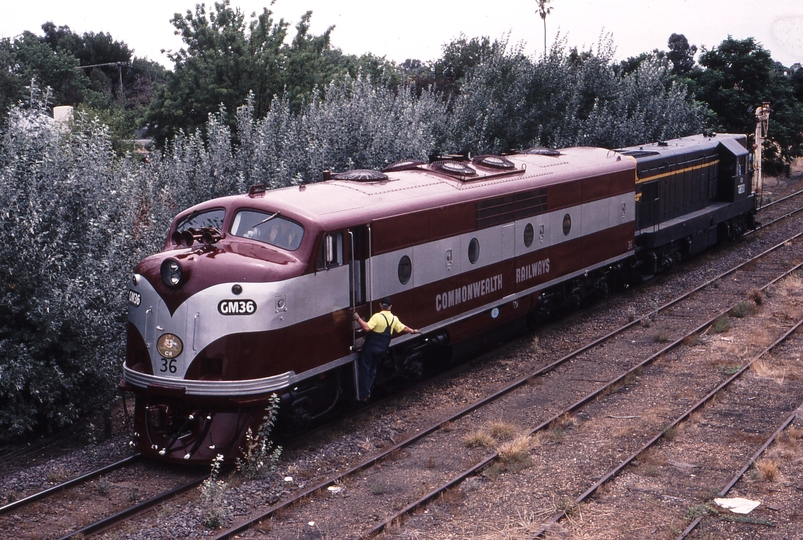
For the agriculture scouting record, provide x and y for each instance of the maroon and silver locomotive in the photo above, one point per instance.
(253, 294)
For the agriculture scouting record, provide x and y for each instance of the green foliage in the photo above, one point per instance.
(31, 62)
(739, 75)
(681, 54)
(570, 98)
(216, 510)
(226, 59)
(116, 89)
(78, 212)
(742, 309)
(260, 457)
(66, 218)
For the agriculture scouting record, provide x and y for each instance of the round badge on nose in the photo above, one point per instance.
(169, 345)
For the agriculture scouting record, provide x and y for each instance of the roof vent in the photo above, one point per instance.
(361, 175)
(454, 168)
(258, 189)
(405, 165)
(495, 162)
(542, 151)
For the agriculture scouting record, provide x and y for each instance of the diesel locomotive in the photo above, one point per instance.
(253, 294)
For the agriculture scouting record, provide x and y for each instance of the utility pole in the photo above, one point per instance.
(121, 95)
(762, 126)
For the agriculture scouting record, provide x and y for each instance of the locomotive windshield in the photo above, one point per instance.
(271, 229)
(211, 219)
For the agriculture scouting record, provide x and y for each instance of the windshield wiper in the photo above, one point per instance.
(266, 220)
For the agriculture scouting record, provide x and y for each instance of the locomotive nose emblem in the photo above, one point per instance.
(169, 345)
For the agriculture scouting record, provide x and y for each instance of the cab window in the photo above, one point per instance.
(331, 251)
(269, 228)
(210, 219)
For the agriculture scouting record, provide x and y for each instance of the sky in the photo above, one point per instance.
(419, 28)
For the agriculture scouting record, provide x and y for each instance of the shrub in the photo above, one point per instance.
(259, 455)
(216, 511)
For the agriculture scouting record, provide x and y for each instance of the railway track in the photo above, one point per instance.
(412, 510)
(22, 518)
(364, 480)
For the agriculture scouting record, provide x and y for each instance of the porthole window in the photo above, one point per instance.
(529, 234)
(567, 224)
(473, 250)
(405, 270)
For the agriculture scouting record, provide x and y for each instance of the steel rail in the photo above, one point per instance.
(782, 199)
(69, 483)
(588, 398)
(112, 520)
(612, 473)
(744, 469)
(230, 533)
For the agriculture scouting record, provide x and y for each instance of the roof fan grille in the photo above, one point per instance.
(361, 175)
(405, 165)
(495, 162)
(542, 151)
(454, 168)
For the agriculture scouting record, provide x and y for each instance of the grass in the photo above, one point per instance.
(742, 309)
(766, 370)
(662, 337)
(502, 431)
(723, 324)
(378, 487)
(478, 439)
(514, 456)
(729, 369)
(498, 430)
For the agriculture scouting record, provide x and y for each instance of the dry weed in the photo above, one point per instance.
(539, 438)
(515, 455)
(501, 430)
(765, 369)
(790, 286)
(562, 422)
(477, 439)
(768, 469)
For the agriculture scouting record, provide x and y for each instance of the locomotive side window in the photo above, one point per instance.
(567, 224)
(473, 250)
(529, 234)
(212, 219)
(405, 270)
(271, 229)
(331, 252)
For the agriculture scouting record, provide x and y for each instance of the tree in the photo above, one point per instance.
(29, 59)
(543, 11)
(226, 59)
(459, 57)
(737, 77)
(681, 54)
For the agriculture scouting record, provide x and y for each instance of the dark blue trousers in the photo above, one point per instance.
(371, 355)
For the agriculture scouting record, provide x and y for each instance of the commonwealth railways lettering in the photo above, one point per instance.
(533, 270)
(468, 292)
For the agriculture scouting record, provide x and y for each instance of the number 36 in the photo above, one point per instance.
(168, 365)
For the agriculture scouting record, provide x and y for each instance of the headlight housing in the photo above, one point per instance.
(171, 273)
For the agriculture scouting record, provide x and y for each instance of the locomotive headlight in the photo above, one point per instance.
(171, 272)
(169, 346)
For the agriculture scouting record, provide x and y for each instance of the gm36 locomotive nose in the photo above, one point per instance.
(204, 316)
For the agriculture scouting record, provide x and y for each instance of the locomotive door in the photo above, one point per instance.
(360, 291)
(359, 272)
